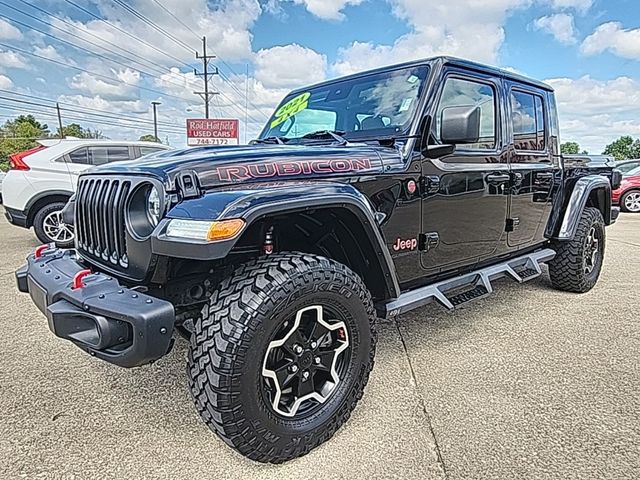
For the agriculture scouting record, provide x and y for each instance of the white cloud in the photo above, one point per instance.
(226, 24)
(596, 112)
(560, 25)
(8, 31)
(326, 9)
(613, 37)
(289, 66)
(50, 52)
(9, 59)
(94, 85)
(5, 82)
(468, 28)
(580, 5)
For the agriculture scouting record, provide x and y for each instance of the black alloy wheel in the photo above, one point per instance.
(305, 361)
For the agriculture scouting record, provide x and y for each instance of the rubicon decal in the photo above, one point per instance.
(409, 244)
(287, 169)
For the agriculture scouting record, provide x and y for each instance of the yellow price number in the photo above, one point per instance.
(290, 108)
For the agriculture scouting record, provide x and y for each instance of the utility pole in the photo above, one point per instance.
(246, 102)
(206, 74)
(59, 120)
(155, 120)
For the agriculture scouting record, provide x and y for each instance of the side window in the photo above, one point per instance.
(527, 119)
(79, 156)
(102, 155)
(117, 154)
(466, 93)
(149, 150)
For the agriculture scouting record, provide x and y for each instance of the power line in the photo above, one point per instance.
(110, 116)
(78, 47)
(127, 123)
(89, 71)
(134, 12)
(91, 52)
(81, 106)
(176, 18)
(97, 17)
(224, 77)
(87, 32)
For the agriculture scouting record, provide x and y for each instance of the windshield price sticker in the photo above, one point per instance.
(289, 109)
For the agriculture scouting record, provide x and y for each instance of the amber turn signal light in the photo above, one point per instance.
(225, 229)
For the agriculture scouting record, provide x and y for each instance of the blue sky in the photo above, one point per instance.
(589, 50)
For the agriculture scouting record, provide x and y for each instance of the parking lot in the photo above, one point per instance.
(529, 383)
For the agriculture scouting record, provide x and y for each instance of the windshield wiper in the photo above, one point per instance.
(334, 134)
(277, 140)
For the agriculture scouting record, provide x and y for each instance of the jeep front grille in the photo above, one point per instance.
(100, 210)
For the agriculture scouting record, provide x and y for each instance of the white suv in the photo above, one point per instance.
(41, 181)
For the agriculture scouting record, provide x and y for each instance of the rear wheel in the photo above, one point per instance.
(578, 263)
(630, 201)
(49, 227)
(281, 354)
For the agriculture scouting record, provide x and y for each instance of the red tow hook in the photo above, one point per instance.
(41, 249)
(77, 279)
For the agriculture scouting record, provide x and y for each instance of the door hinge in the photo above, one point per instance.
(512, 224)
(428, 241)
(188, 184)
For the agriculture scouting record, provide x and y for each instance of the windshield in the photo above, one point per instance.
(370, 106)
(633, 172)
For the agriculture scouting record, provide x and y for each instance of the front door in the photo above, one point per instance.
(464, 207)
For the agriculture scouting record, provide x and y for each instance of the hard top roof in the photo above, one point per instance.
(445, 60)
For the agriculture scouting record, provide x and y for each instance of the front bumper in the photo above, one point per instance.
(615, 213)
(116, 324)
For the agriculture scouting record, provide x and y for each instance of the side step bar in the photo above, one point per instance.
(457, 291)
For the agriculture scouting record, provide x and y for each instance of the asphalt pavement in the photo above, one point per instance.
(528, 383)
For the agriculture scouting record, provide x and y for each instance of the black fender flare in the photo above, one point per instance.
(580, 194)
(256, 201)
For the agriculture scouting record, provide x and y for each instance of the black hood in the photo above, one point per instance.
(215, 166)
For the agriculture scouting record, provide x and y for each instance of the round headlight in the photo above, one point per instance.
(153, 206)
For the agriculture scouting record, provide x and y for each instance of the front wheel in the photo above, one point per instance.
(49, 227)
(281, 354)
(578, 263)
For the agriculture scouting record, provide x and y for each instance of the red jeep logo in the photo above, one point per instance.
(409, 244)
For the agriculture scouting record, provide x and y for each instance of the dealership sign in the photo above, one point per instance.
(212, 131)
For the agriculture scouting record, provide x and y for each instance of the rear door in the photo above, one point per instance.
(532, 169)
(465, 202)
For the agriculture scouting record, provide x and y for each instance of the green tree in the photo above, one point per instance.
(75, 130)
(570, 148)
(18, 135)
(624, 148)
(149, 138)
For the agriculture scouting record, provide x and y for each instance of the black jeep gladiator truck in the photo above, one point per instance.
(364, 197)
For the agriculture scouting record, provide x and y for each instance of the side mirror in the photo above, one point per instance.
(460, 125)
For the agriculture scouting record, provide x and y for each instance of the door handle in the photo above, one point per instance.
(544, 175)
(498, 177)
(432, 183)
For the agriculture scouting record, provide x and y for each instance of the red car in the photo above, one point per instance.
(628, 194)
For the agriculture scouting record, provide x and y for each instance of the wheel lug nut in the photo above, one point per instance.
(293, 368)
(297, 349)
(314, 344)
(305, 375)
(317, 360)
